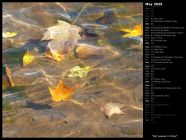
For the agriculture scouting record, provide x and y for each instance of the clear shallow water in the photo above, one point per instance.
(114, 78)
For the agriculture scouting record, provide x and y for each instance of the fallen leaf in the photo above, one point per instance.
(100, 42)
(136, 31)
(7, 78)
(9, 34)
(78, 71)
(58, 57)
(61, 92)
(64, 37)
(112, 108)
(54, 56)
(57, 32)
(27, 58)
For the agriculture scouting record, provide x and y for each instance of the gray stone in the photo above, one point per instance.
(109, 17)
(94, 29)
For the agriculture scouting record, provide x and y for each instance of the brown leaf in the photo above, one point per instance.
(7, 78)
(112, 108)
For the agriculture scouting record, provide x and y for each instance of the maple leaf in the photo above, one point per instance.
(136, 31)
(61, 92)
(27, 58)
(112, 108)
(9, 34)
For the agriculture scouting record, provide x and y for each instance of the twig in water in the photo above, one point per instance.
(80, 12)
(60, 5)
(76, 102)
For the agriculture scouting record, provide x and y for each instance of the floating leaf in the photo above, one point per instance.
(7, 78)
(136, 31)
(78, 71)
(112, 108)
(27, 58)
(9, 34)
(61, 92)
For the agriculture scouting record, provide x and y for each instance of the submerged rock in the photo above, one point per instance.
(65, 17)
(109, 17)
(84, 50)
(94, 29)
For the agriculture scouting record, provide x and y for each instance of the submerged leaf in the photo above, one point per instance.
(7, 78)
(112, 108)
(78, 71)
(58, 57)
(58, 32)
(62, 31)
(61, 92)
(136, 31)
(63, 38)
(27, 58)
(9, 34)
(54, 55)
(101, 42)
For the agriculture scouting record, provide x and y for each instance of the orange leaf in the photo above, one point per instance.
(7, 80)
(54, 56)
(61, 92)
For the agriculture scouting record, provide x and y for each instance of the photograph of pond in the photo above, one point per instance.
(72, 69)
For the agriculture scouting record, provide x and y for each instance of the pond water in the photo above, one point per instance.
(115, 75)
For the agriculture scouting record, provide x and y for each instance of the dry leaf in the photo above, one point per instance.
(61, 92)
(7, 78)
(63, 31)
(27, 58)
(9, 34)
(112, 108)
(58, 32)
(63, 38)
(137, 31)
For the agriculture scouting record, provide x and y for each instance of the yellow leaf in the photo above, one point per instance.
(54, 56)
(136, 31)
(58, 57)
(78, 71)
(61, 92)
(9, 34)
(27, 58)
